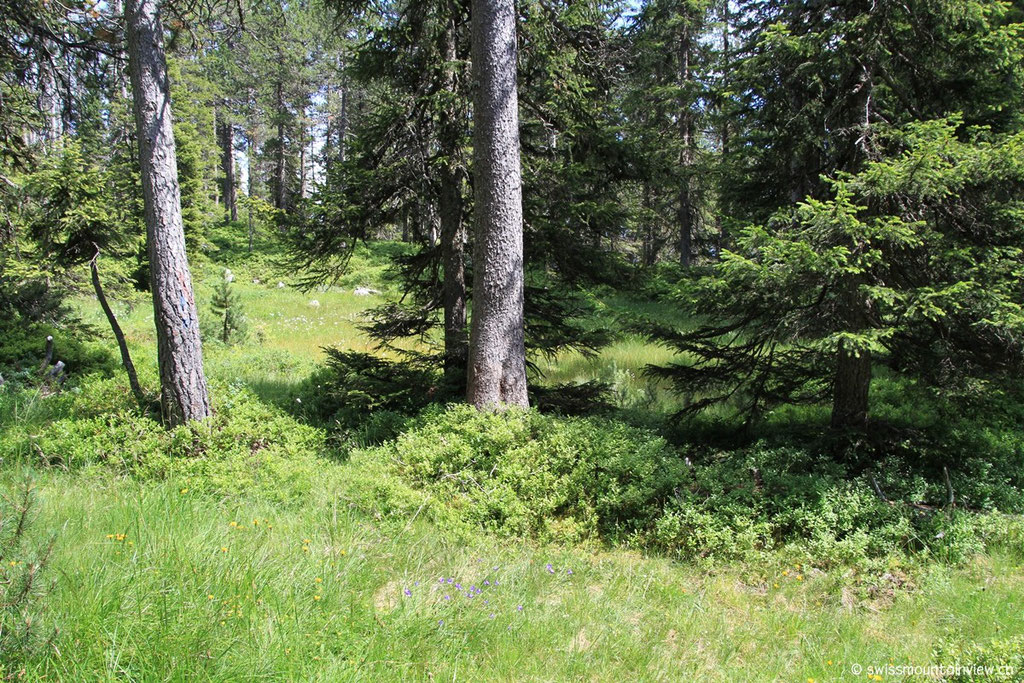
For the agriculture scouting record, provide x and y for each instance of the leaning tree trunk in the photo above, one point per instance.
(453, 231)
(115, 327)
(184, 396)
(497, 353)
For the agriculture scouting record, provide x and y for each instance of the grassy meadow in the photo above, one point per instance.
(155, 575)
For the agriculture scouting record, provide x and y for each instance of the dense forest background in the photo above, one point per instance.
(771, 288)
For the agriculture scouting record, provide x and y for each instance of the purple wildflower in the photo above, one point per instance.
(486, 582)
(551, 570)
(492, 615)
(519, 608)
(458, 586)
(495, 582)
(447, 597)
(569, 572)
(408, 593)
(440, 622)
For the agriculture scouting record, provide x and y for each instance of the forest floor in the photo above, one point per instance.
(155, 580)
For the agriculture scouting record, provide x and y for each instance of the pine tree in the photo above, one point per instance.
(184, 395)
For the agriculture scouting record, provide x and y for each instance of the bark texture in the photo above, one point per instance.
(184, 395)
(850, 395)
(453, 231)
(685, 210)
(280, 181)
(226, 137)
(497, 353)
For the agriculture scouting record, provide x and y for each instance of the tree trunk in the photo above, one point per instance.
(850, 395)
(343, 120)
(280, 197)
(49, 97)
(453, 232)
(226, 137)
(685, 211)
(302, 161)
(115, 327)
(497, 353)
(116, 8)
(184, 395)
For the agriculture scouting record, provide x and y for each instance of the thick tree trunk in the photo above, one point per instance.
(453, 232)
(850, 394)
(226, 137)
(184, 395)
(497, 353)
(853, 367)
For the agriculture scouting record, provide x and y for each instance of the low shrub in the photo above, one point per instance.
(581, 479)
(24, 348)
(246, 446)
(523, 473)
(1001, 659)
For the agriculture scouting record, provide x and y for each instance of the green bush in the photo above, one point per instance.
(578, 480)
(355, 385)
(997, 660)
(523, 473)
(246, 446)
(24, 348)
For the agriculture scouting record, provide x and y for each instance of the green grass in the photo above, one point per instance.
(334, 609)
(206, 586)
